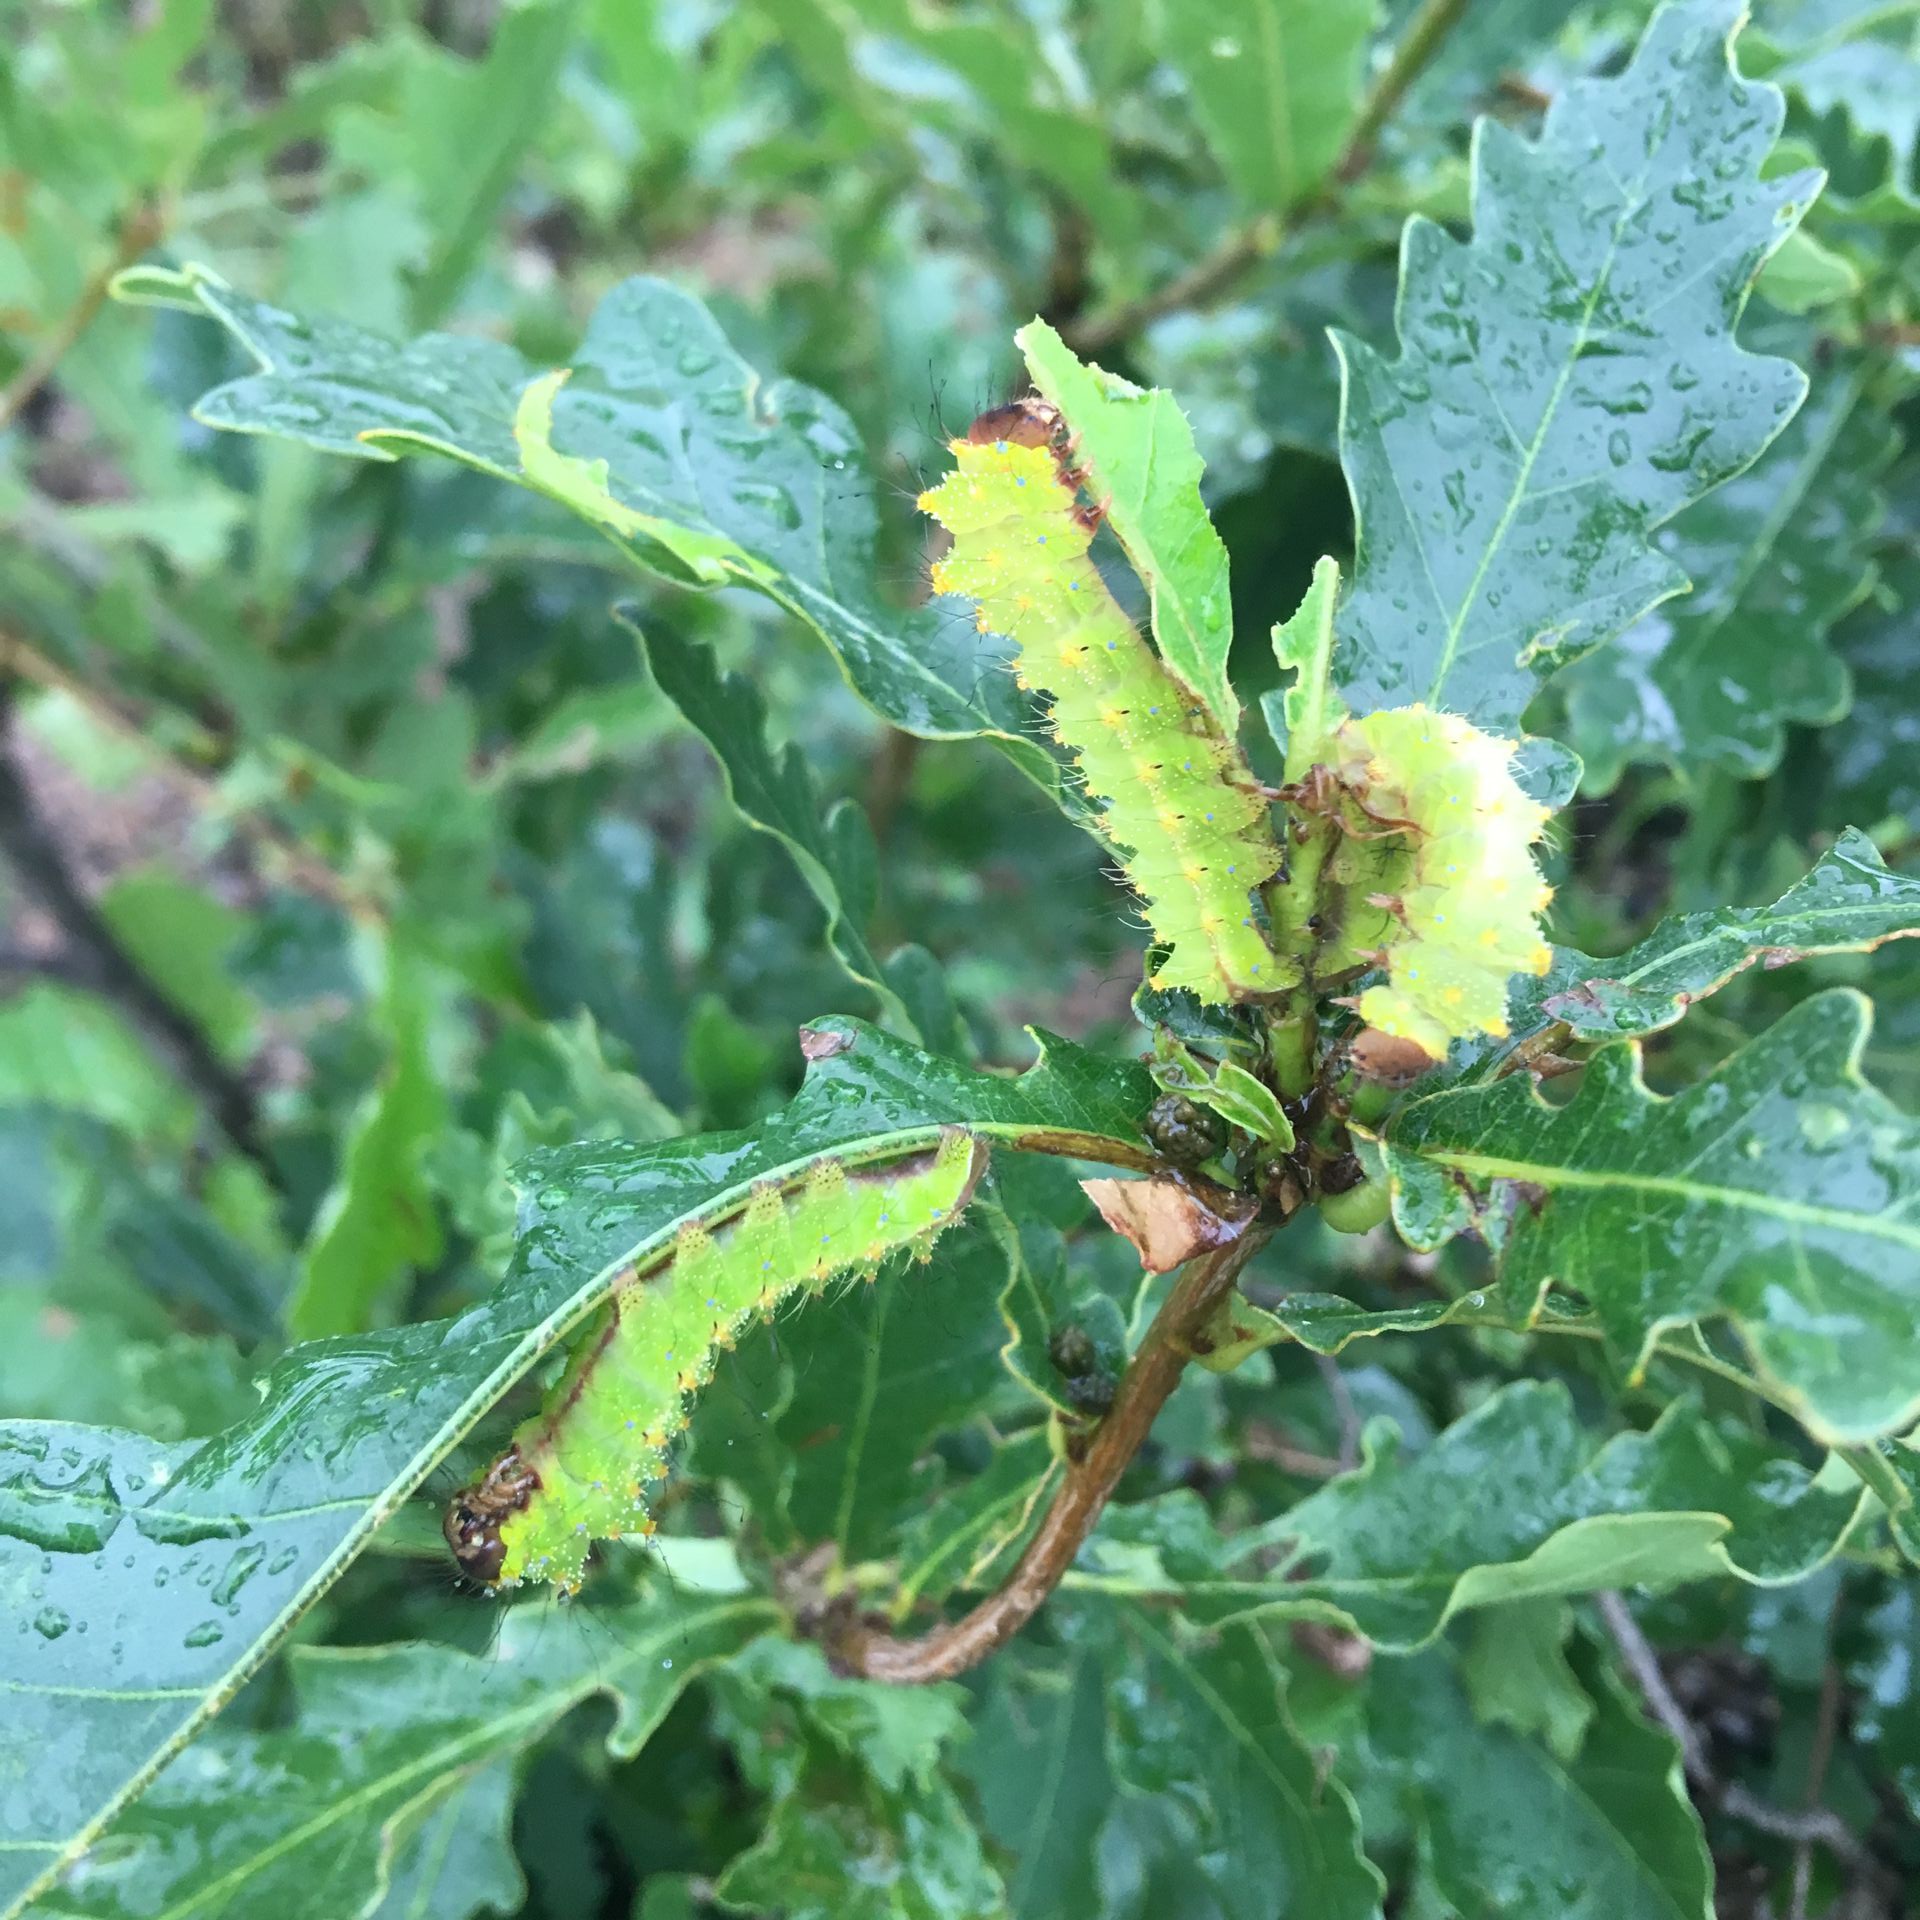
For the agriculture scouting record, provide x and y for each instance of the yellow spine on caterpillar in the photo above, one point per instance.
(577, 1472)
(1176, 794)
(1461, 893)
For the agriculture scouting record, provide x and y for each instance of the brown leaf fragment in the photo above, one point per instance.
(1169, 1220)
(1387, 1058)
(822, 1043)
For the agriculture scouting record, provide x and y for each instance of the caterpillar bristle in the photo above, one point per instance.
(656, 1344)
(1194, 851)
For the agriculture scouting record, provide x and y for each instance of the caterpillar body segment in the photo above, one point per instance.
(578, 1471)
(1176, 794)
(1439, 871)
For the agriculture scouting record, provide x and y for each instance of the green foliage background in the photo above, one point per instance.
(353, 850)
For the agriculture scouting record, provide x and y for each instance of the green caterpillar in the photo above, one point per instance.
(575, 1472)
(1438, 868)
(1176, 792)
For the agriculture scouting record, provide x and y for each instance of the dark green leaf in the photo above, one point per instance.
(1850, 903)
(1513, 1502)
(1512, 1830)
(863, 1826)
(968, 1534)
(775, 792)
(1038, 1761)
(1779, 1193)
(1206, 1723)
(389, 1748)
(663, 437)
(1775, 556)
(104, 1531)
(1885, 1677)
(893, 1365)
(1872, 770)
(1567, 381)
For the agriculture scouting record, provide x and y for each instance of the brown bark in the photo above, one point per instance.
(862, 1647)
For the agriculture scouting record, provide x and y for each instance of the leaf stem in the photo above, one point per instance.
(140, 228)
(1426, 33)
(869, 1649)
(1239, 248)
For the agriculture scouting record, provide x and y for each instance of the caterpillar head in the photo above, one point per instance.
(1026, 422)
(474, 1515)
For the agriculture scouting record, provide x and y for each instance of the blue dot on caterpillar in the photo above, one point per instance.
(1032, 422)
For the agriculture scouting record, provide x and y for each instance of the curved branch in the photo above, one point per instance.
(862, 1647)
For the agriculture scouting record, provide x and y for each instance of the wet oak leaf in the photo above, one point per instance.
(1567, 379)
(108, 1532)
(1781, 1193)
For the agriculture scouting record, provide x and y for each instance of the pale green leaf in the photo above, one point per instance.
(467, 127)
(1243, 1101)
(1806, 275)
(72, 1052)
(379, 1220)
(1515, 1671)
(1275, 85)
(1143, 468)
(863, 1824)
(1308, 709)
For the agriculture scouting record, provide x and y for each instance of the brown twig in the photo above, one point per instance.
(1241, 248)
(887, 782)
(1262, 1442)
(1643, 1665)
(1245, 246)
(99, 961)
(118, 716)
(864, 1647)
(1804, 1827)
(141, 227)
(1344, 1409)
(1826, 1726)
